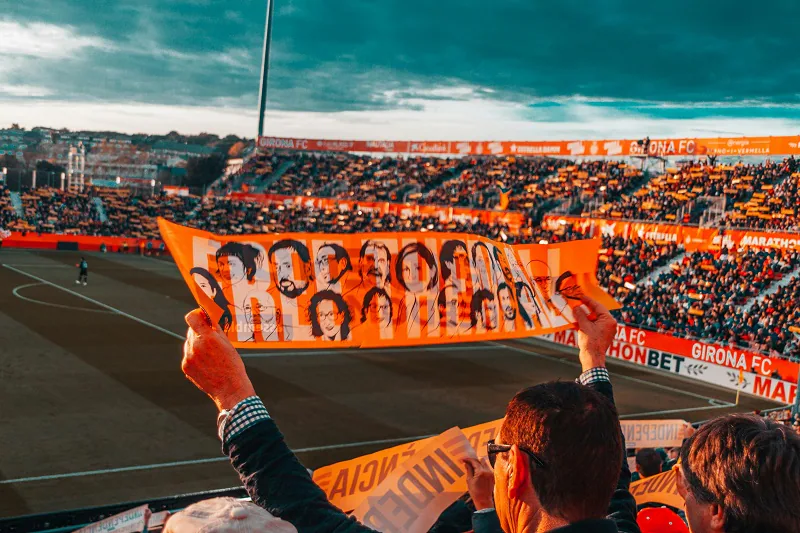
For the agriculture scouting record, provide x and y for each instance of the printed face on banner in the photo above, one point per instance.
(455, 263)
(377, 309)
(290, 263)
(262, 317)
(330, 317)
(502, 268)
(482, 266)
(331, 264)
(507, 303)
(529, 309)
(416, 268)
(454, 308)
(374, 264)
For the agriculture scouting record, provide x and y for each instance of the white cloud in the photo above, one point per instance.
(438, 120)
(44, 41)
(31, 91)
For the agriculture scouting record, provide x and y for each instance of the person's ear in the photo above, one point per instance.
(717, 518)
(517, 472)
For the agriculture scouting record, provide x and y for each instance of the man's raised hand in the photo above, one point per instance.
(212, 363)
(597, 330)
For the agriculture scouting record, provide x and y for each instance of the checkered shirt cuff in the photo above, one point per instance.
(593, 375)
(244, 414)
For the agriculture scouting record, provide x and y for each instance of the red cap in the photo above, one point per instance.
(660, 520)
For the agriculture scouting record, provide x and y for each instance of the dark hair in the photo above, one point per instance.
(520, 285)
(340, 253)
(476, 306)
(447, 253)
(371, 294)
(380, 246)
(562, 278)
(250, 256)
(336, 298)
(649, 462)
(750, 466)
(423, 252)
(474, 252)
(226, 319)
(504, 286)
(575, 430)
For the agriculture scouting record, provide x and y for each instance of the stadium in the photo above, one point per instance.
(402, 344)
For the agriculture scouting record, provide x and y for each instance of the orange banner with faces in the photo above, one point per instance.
(381, 289)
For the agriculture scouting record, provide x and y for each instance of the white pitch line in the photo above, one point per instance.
(15, 292)
(619, 376)
(686, 410)
(156, 466)
(101, 304)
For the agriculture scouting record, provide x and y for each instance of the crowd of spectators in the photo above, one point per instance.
(675, 196)
(623, 262)
(773, 208)
(701, 297)
(773, 323)
(51, 210)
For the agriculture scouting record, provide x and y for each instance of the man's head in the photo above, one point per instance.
(261, 317)
(416, 268)
(454, 260)
(575, 431)
(741, 473)
(374, 264)
(227, 515)
(483, 310)
(540, 274)
(648, 462)
(332, 262)
(329, 315)
(567, 286)
(291, 264)
(506, 299)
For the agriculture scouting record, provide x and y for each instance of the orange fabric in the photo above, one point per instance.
(382, 289)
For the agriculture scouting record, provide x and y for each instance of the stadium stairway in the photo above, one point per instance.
(100, 208)
(653, 276)
(275, 176)
(16, 202)
(775, 287)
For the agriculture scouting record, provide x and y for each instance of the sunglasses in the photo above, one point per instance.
(493, 449)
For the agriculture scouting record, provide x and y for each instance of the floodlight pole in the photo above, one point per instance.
(262, 90)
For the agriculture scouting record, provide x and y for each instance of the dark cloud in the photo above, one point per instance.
(331, 56)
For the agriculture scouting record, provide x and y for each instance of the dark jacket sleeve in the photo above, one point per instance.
(276, 481)
(622, 509)
(487, 522)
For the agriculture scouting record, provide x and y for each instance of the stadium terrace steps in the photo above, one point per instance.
(275, 176)
(772, 289)
(16, 202)
(655, 274)
(101, 210)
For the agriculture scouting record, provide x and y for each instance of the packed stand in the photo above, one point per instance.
(8, 215)
(51, 210)
(772, 325)
(674, 197)
(623, 262)
(700, 297)
(785, 417)
(774, 208)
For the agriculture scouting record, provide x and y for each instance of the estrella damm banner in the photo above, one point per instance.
(296, 290)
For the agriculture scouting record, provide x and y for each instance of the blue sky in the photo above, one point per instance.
(512, 69)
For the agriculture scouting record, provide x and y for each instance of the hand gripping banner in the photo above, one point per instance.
(297, 290)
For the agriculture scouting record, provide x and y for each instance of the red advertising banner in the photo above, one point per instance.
(513, 219)
(692, 237)
(723, 146)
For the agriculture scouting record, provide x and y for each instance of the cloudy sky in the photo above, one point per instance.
(395, 69)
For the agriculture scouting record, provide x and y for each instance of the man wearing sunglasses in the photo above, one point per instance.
(557, 464)
(557, 460)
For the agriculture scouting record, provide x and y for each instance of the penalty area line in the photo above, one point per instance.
(100, 304)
